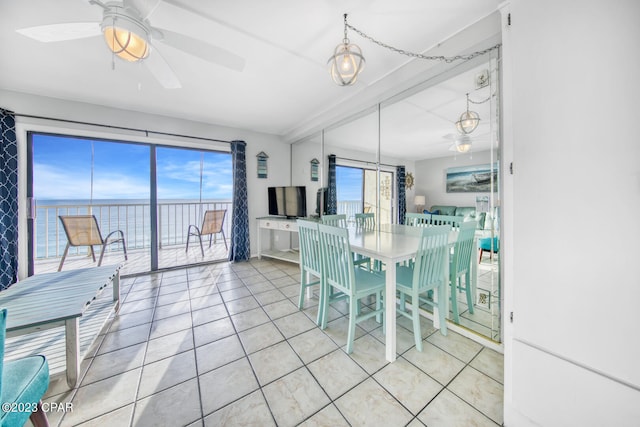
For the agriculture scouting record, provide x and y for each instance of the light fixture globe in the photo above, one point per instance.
(468, 122)
(126, 36)
(346, 63)
(463, 144)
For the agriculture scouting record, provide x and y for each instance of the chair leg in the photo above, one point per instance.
(442, 299)
(353, 302)
(325, 303)
(415, 316)
(480, 259)
(124, 246)
(224, 239)
(104, 246)
(201, 247)
(188, 237)
(454, 298)
(64, 255)
(470, 298)
(39, 417)
(303, 285)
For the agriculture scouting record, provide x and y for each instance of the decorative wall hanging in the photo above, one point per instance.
(314, 169)
(472, 179)
(408, 180)
(262, 164)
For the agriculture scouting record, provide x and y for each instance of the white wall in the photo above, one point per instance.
(278, 151)
(431, 178)
(571, 78)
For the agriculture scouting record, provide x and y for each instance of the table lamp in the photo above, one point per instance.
(419, 201)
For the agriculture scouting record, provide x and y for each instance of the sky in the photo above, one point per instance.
(349, 183)
(62, 170)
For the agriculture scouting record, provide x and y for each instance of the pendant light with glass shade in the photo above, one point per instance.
(347, 61)
(468, 121)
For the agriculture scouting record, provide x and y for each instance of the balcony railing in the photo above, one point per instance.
(132, 218)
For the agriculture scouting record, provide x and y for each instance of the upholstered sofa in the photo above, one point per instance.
(467, 212)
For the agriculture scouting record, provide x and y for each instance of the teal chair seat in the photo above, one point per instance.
(490, 245)
(23, 382)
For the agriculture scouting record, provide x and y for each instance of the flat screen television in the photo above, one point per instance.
(322, 197)
(288, 201)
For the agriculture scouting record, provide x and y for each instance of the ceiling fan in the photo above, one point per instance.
(130, 36)
(462, 143)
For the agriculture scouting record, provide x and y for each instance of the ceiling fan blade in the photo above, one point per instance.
(144, 7)
(200, 49)
(161, 70)
(62, 32)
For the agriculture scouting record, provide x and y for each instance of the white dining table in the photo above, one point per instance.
(391, 244)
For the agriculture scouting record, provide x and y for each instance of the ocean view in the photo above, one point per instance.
(132, 216)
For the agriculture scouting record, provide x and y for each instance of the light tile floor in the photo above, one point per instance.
(225, 344)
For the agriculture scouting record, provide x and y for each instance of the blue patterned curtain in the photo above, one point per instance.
(8, 200)
(332, 204)
(240, 249)
(402, 197)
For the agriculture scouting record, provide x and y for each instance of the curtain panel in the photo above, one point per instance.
(332, 196)
(8, 200)
(402, 196)
(240, 249)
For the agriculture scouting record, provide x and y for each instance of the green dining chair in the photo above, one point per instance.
(310, 263)
(452, 220)
(366, 220)
(339, 220)
(460, 266)
(417, 219)
(23, 382)
(341, 274)
(424, 275)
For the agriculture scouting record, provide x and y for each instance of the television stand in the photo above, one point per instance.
(277, 223)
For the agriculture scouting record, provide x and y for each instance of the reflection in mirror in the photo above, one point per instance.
(420, 127)
(302, 154)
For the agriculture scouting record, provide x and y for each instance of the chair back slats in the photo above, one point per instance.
(431, 256)
(336, 257)
(417, 219)
(464, 247)
(81, 230)
(213, 221)
(366, 221)
(339, 220)
(310, 258)
(452, 220)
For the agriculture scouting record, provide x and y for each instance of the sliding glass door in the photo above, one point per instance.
(107, 180)
(112, 181)
(190, 184)
(357, 192)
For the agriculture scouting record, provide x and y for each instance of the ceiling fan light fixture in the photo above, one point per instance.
(126, 36)
(347, 61)
(463, 144)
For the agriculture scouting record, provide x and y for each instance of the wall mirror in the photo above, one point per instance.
(417, 129)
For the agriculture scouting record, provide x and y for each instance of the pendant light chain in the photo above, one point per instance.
(446, 59)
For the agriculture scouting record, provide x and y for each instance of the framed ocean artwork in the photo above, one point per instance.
(472, 179)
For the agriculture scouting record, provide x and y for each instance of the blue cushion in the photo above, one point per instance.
(24, 380)
(435, 212)
(485, 243)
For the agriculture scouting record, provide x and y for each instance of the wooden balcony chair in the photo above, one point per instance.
(213, 223)
(23, 382)
(83, 230)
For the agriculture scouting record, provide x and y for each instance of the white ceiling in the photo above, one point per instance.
(285, 44)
